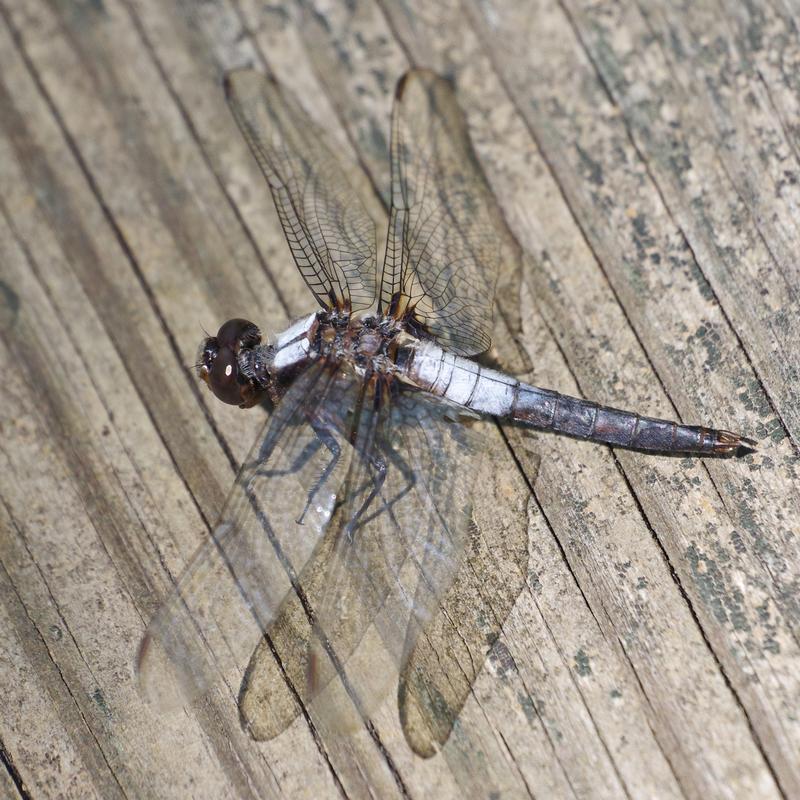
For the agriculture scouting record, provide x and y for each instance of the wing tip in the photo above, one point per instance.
(235, 76)
(235, 80)
(426, 76)
(401, 84)
(156, 679)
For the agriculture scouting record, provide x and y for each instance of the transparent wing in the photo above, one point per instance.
(443, 251)
(442, 667)
(378, 585)
(329, 231)
(272, 523)
(409, 520)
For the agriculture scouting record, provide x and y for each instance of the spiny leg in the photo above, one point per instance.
(329, 440)
(377, 480)
(323, 436)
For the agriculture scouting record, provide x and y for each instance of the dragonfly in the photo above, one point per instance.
(349, 519)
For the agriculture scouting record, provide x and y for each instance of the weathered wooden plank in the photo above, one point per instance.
(77, 591)
(702, 116)
(43, 723)
(107, 311)
(748, 642)
(653, 650)
(61, 559)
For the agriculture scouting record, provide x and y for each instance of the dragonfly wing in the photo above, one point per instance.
(339, 584)
(272, 523)
(418, 596)
(443, 665)
(444, 248)
(378, 582)
(329, 231)
(394, 561)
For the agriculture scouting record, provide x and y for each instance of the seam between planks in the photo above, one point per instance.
(562, 551)
(53, 661)
(522, 776)
(673, 572)
(714, 483)
(728, 322)
(13, 772)
(187, 120)
(620, 468)
(734, 186)
(123, 243)
(685, 239)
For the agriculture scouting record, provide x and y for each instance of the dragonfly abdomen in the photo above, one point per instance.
(488, 391)
(583, 419)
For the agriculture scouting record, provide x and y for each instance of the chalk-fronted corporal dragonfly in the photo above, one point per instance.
(349, 499)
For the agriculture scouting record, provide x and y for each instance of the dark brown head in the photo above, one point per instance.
(229, 364)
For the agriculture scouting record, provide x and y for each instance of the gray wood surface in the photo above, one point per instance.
(644, 155)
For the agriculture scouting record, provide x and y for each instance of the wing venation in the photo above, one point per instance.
(327, 227)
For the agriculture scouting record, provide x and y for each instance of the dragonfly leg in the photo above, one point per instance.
(300, 461)
(325, 437)
(377, 480)
(386, 507)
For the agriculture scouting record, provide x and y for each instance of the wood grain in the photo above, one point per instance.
(644, 156)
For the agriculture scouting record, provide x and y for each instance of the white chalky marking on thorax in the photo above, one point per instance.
(294, 330)
(291, 354)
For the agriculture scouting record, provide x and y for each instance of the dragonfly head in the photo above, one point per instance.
(229, 364)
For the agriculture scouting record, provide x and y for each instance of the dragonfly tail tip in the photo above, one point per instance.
(746, 446)
(732, 444)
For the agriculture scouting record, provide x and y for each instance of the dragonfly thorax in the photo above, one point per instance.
(368, 344)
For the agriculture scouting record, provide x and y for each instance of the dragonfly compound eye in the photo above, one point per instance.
(238, 333)
(219, 361)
